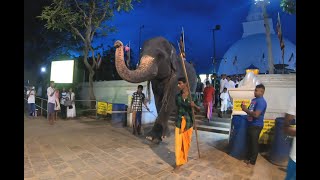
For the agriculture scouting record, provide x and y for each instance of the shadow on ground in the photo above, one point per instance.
(162, 149)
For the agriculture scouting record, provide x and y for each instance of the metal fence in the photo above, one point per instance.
(81, 108)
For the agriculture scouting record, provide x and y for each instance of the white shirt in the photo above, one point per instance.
(224, 97)
(222, 84)
(31, 98)
(51, 99)
(205, 80)
(63, 97)
(230, 84)
(292, 111)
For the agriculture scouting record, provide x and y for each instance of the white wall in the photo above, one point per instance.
(279, 89)
(117, 92)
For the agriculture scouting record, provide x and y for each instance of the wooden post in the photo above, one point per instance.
(190, 97)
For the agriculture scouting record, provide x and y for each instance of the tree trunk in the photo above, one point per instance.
(91, 74)
(91, 92)
(268, 38)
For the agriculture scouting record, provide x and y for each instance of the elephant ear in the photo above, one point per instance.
(173, 58)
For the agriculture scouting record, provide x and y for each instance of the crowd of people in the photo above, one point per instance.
(60, 103)
(214, 95)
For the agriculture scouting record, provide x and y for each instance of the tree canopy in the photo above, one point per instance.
(288, 6)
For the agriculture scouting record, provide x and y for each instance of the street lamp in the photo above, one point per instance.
(214, 47)
(43, 69)
(263, 4)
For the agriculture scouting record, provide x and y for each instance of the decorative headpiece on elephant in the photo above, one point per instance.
(159, 64)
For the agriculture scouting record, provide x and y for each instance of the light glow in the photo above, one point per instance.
(62, 71)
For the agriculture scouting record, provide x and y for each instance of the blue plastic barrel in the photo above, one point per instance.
(238, 137)
(281, 144)
(118, 118)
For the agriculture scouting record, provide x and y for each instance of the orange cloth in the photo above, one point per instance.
(182, 142)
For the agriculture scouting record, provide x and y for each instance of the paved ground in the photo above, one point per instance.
(92, 149)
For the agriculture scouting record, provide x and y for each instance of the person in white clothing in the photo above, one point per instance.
(31, 96)
(206, 79)
(63, 104)
(291, 131)
(51, 102)
(223, 82)
(224, 96)
(230, 83)
(71, 110)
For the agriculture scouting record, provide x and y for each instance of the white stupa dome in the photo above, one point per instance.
(252, 48)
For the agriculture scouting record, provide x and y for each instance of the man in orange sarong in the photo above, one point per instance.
(184, 123)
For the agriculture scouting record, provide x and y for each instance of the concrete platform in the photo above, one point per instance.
(92, 149)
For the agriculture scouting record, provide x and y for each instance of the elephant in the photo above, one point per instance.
(160, 65)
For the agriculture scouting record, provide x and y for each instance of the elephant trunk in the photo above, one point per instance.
(147, 69)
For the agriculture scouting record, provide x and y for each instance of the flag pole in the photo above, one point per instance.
(190, 97)
(281, 42)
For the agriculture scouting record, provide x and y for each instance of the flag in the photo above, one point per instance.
(182, 45)
(263, 58)
(291, 57)
(235, 60)
(279, 32)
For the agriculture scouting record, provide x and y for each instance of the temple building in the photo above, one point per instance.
(252, 48)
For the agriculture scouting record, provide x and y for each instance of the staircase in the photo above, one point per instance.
(216, 125)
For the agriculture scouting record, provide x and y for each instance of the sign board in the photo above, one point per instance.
(102, 108)
(267, 133)
(236, 110)
(109, 108)
(237, 103)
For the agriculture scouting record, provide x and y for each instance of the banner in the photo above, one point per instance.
(102, 108)
(267, 133)
(109, 108)
(237, 104)
(279, 32)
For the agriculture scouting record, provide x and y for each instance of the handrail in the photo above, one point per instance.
(95, 109)
(41, 98)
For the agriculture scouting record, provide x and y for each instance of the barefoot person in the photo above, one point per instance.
(184, 123)
(138, 98)
(255, 116)
(51, 102)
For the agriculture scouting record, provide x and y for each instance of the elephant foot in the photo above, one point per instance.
(153, 140)
(155, 135)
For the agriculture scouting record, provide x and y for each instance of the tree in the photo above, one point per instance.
(288, 6)
(84, 19)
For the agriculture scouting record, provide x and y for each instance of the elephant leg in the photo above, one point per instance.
(166, 116)
(165, 102)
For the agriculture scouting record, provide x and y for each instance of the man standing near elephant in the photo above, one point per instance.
(160, 65)
(183, 123)
(136, 108)
(255, 116)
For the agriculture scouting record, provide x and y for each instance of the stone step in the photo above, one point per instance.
(213, 129)
(224, 119)
(217, 125)
(213, 123)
